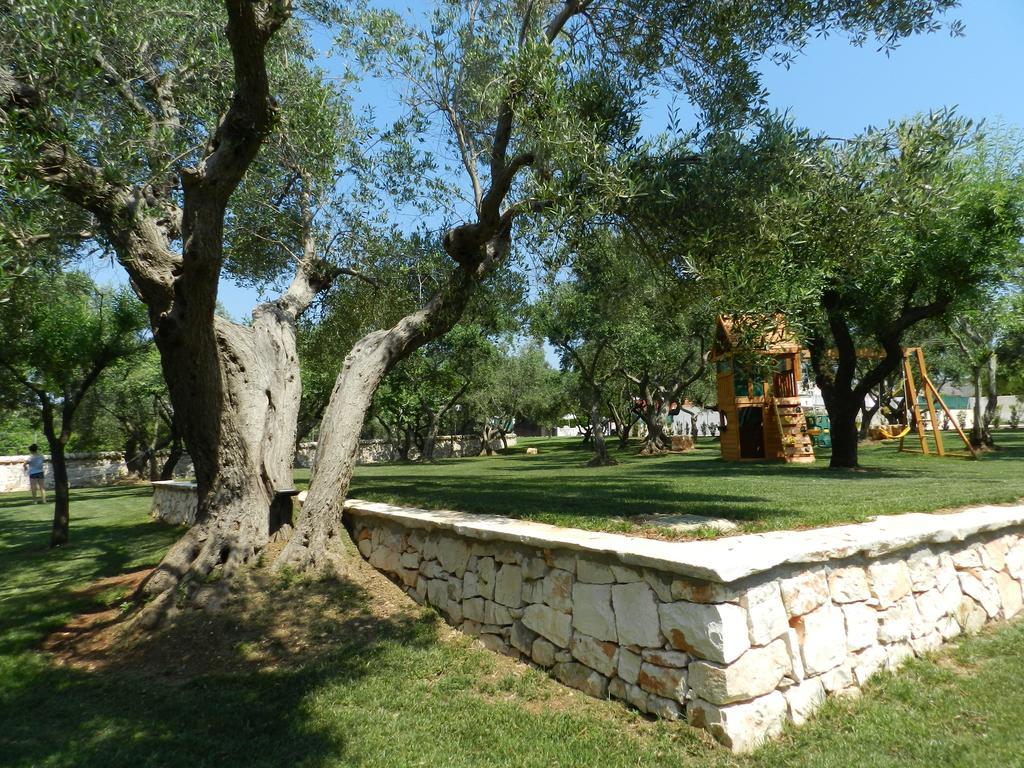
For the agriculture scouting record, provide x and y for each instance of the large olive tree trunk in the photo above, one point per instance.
(318, 539)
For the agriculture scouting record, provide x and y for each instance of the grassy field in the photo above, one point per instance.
(555, 486)
(351, 674)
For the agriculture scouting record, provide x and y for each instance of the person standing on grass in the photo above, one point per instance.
(36, 475)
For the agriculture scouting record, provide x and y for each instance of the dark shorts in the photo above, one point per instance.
(36, 476)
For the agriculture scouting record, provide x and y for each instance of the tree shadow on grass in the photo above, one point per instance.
(232, 688)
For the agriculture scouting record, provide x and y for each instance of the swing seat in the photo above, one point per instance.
(889, 431)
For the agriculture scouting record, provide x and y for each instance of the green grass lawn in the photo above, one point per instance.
(343, 685)
(555, 486)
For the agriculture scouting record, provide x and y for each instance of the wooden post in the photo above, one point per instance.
(928, 384)
(925, 380)
(910, 390)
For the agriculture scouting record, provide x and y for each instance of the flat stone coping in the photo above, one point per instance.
(173, 485)
(723, 560)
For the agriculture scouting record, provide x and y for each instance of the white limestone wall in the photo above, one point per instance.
(174, 502)
(736, 635)
(381, 451)
(84, 470)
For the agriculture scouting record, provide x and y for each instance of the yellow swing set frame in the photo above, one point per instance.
(911, 405)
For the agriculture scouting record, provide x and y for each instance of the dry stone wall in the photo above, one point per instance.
(737, 635)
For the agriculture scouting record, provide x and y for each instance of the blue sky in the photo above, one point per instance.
(838, 89)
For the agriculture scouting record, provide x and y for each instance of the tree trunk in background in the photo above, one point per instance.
(61, 495)
(654, 416)
(992, 399)
(174, 453)
(601, 457)
(843, 419)
(866, 415)
(978, 427)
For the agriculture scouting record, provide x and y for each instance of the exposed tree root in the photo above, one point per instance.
(196, 572)
(320, 552)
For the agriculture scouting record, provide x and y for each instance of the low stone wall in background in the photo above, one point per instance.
(84, 470)
(737, 635)
(381, 451)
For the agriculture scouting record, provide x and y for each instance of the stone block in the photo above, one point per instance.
(796, 661)
(661, 585)
(494, 643)
(868, 662)
(803, 700)
(948, 627)
(861, 625)
(766, 613)
(592, 611)
(636, 614)
(596, 654)
(495, 613)
(897, 654)
(437, 592)
(822, 634)
(470, 585)
(926, 643)
(534, 567)
(592, 572)
(1009, 594)
(951, 595)
(713, 631)
(386, 559)
(533, 591)
(666, 709)
(543, 652)
(924, 567)
(664, 658)
(970, 615)
(931, 606)
(432, 569)
(804, 592)
(890, 581)
(624, 575)
(741, 727)
(1015, 561)
(849, 584)
(546, 621)
(557, 558)
(365, 547)
(981, 585)
(698, 591)
(522, 637)
(629, 692)
(411, 560)
(668, 682)
(508, 586)
(473, 609)
(898, 622)
(629, 666)
(993, 554)
(558, 589)
(454, 611)
(755, 673)
(453, 554)
(968, 558)
(837, 679)
(581, 678)
(485, 574)
(454, 589)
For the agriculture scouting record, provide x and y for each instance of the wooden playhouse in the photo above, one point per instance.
(757, 364)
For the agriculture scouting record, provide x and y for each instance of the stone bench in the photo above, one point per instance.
(737, 635)
(174, 502)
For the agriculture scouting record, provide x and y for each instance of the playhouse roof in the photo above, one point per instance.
(766, 333)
